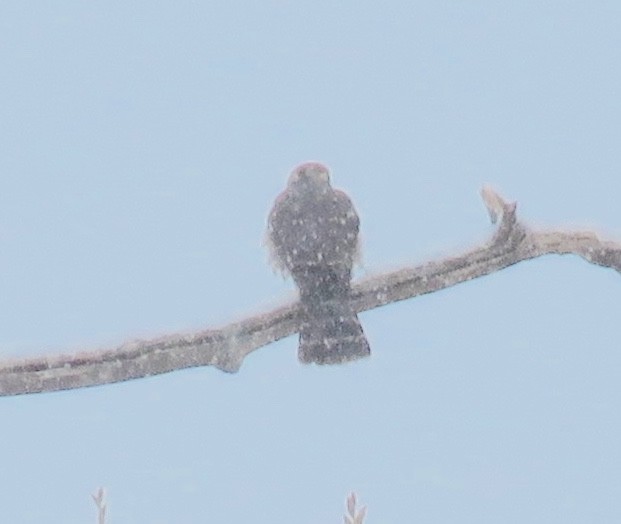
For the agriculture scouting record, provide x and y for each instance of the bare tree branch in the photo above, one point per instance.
(354, 515)
(100, 501)
(226, 348)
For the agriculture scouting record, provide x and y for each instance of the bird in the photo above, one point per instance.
(312, 234)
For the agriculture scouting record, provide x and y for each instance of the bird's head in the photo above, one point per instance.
(311, 176)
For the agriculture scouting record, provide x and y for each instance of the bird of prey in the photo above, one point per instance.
(313, 236)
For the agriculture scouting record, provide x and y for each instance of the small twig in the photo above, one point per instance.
(354, 516)
(227, 347)
(100, 501)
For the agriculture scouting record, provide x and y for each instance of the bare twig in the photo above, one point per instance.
(354, 516)
(227, 347)
(100, 501)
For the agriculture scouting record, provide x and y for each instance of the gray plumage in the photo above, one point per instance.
(313, 236)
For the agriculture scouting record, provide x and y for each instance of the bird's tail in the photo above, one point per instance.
(331, 333)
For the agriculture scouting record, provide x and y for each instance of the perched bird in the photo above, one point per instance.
(313, 236)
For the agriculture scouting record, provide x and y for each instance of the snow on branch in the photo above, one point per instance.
(226, 348)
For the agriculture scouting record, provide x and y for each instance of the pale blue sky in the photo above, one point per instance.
(142, 147)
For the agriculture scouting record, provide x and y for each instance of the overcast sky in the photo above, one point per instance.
(142, 145)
